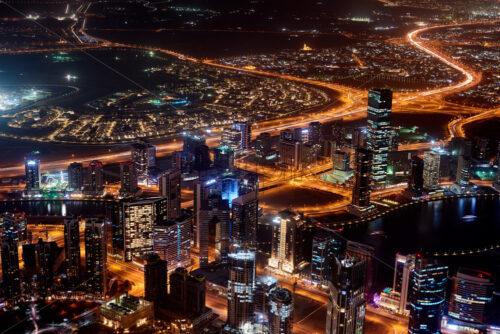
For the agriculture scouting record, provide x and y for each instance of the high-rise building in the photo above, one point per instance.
(187, 292)
(191, 142)
(463, 170)
(245, 216)
(231, 138)
(378, 138)
(246, 133)
(45, 252)
(196, 149)
(75, 176)
(280, 311)
(15, 226)
(224, 158)
(170, 188)
(432, 162)
(11, 275)
(263, 145)
(341, 160)
(96, 256)
(362, 177)
(172, 242)
(471, 293)
(95, 177)
(32, 169)
(401, 283)
(291, 154)
(202, 158)
(346, 303)
(327, 245)
(460, 146)
(128, 179)
(137, 219)
(240, 288)
(155, 278)
(72, 251)
(427, 296)
(416, 180)
(143, 155)
(367, 254)
(314, 133)
(264, 285)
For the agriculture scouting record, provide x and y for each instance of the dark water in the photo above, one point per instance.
(59, 207)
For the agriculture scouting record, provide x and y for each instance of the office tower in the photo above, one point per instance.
(314, 133)
(471, 292)
(287, 135)
(214, 215)
(264, 285)
(137, 219)
(191, 142)
(358, 138)
(432, 162)
(75, 176)
(155, 278)
(341, 160)
(182, 161)
(15, 226)
(245, 216)
(229, 185)
(172, 242)
(202, 188)
(143, 155)
(202, 158)
(29, 259)
(240, 288)
(326, 246)
(346, 303)
(366, 253)
(96, 177)
(263, 145)
(280, 311)
(362, 177)
(246, 133)
(95, 256)
(427, 296)
(187, 292)
(460, 146)
(224, 158)
(46, 257)
(169, 185)
(401, 283)
(231, 138)
(32, 169)
(11, 275)
(379, 133)
(463, 170)
(291, 154)
(301, 135)
(416, 181)
(128, 179)
(72, 251)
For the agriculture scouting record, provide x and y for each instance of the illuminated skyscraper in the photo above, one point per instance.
(170, 188)
(378, 138)
(416, 181)
(128, 179)
(240, 288)
(245, 216)
(96, 177)
(172, 242)
(362, 177)
(246, 133)
(214, 214)
(326, 246)
(15, 226)
(463, 170)
(224, 158)
(72, 251)
(32, 168)
(231, 138)
(11, 275)
(280, 311)
(45, 252)
(143, 154)
(427, 296)
(263, 145)
(96, 256)
(136, 223)
(264, 286)
(155, 278)
(314, 133)
(75, 176)
(432, 161)
(346, 303)
(401, 283)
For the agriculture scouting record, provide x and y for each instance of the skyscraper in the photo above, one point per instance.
(231, 138)
(75, 176)
(224, 158)
(416, 181)
(155, 278)
(95, 256)
(128, 179)
(170, 188)
(366, 253)
(45, 275)
(463, 170)
(327, 245)
(143, 155)
(263, 145)
(362, 177)
(72, 251)
(14, 225)
(264, 285)
(346, 303)
(280, 311)
(427, 296)
(401, 283)
(245, 216)
(290, 151)
(187, 292)
(201, 158)
(11, 275)
(172, 242)
(246, 133)
(240, 288)
(432, 162)
(314, 133)
(95, 177)
(378, 138)
(32, 169)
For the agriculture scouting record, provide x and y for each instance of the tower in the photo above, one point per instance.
(170, 188)
(128, 179)
(95, 256)
(280, 311)
(246, 133)
(245, 215)
(143, 155)
(96, 177)
(11, 275)
(416, 181)
(72, 251)
(432, 162)
(362, 178)
(75, 176)
(155, 278)
(32, 169)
